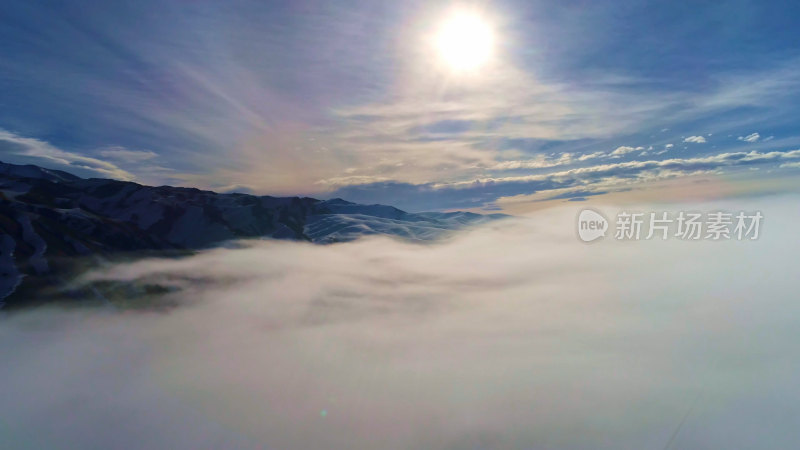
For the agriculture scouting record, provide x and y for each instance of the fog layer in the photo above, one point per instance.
(513, 335)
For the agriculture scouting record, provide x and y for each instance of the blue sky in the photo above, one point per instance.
(348, 99)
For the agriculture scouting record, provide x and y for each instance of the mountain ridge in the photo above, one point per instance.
(47, 216)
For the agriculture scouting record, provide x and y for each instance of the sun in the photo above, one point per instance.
(465, 41)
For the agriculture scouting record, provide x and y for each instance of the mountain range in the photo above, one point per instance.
(49, 219)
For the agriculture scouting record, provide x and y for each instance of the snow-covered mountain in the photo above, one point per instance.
(48, 217)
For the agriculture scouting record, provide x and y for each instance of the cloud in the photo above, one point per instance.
(46, 154)
(479, 341)
(125, 155)
(695, 139)
(593, 155)
(242, 118)
(712, 162)
(624, 150)
(750, 137)
(507, 103)
(486, 190)
(540, 162)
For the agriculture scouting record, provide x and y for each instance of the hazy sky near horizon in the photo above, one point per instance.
(354, 99)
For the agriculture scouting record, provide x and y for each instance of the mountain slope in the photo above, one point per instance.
(48, 217)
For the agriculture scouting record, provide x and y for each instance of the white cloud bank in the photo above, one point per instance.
(512, 336)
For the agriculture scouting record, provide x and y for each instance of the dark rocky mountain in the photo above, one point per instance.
(49, 219)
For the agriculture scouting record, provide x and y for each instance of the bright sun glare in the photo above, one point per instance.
(465, 41)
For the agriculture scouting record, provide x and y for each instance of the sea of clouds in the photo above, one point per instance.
(512, 335)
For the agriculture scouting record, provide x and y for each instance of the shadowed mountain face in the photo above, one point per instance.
(48, 217)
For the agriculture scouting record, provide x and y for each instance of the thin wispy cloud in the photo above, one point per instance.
(43, 152)
(126, 155)
(625, 149)
(602, 176)
(753, 137)
(695, 139)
